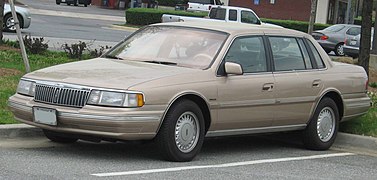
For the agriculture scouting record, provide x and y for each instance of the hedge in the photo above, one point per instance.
(296, 25)
(171, 3)
(145, 16)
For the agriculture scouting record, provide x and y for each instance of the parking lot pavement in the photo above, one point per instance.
(246, 157)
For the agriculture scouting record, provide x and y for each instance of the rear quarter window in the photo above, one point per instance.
(316, 56)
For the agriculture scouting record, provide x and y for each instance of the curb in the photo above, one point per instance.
(356, 142)
(19, 130)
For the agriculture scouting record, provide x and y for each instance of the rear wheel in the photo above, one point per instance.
(322, 129)
(57, 137)
(339, 49)
(58, 2)
(181, 135)
(8, 24)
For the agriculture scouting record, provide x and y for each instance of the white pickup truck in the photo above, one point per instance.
(222, 13)
(202, 5)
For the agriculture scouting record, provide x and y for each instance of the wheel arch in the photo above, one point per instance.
(198, 99)
(21, 21)
(336, 97)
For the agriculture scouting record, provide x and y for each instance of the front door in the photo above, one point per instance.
(245, 100)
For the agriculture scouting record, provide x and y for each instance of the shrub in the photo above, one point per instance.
(35, 45)
(145, 16)
(75, 51)
(296, 25)
(98, 52)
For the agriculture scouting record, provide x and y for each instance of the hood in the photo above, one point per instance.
(107, 73)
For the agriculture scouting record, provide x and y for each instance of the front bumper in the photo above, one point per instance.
(102, 122)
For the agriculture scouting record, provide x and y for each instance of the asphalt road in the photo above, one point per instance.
(70, 24)
(249, 157)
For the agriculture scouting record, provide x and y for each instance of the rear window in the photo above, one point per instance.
(354, 31)
(218, 13)
(335, 28)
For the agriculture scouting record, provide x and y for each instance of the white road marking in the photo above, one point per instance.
(245, 163)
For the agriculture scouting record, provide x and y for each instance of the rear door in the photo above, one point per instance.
(297, 80)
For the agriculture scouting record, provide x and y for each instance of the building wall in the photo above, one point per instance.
(322, 11)
(282, 9)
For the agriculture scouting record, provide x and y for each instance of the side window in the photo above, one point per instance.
(316, 55)
(286, 54)
(217, 13)
(248, 17)
(232, 15)
(305, 54)
(353, 31)
(249, 52)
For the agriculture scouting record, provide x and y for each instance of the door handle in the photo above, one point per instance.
(316, 83)
(268, 87)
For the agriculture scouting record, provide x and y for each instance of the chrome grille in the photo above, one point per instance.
(60, 95)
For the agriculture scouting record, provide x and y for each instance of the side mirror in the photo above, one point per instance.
(233, 68)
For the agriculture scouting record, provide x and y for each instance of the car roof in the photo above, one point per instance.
(234, 28)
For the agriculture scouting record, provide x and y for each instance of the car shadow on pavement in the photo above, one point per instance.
(240, 146)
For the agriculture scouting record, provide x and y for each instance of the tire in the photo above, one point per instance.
(8, 18)
(56, 137)
(322, 129)
(85, 5)
(187, 118)
(58, 2)
(75, 3)
(339, 49)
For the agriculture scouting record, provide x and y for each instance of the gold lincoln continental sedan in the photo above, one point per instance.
(177, 83)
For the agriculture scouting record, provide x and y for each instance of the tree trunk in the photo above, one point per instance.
(366, 27)
(374, 45)
(313, 12)
(1, 20)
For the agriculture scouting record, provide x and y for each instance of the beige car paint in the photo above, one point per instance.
(237, 104)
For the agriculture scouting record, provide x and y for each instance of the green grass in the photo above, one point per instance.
(365, 125)
(11, 60)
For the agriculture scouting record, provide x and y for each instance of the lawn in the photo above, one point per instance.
(11, 70)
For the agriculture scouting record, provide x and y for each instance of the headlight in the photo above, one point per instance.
(26, 87)
(118, 99)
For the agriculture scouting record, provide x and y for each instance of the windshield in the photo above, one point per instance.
(186, 47)
(334, 28)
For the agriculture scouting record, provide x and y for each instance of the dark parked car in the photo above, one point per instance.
(74, 2)
(332, 38)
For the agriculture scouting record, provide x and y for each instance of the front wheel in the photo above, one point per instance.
(181, 135)
(322, 129)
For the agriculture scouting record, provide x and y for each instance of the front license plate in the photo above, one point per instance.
(353, 42)
(45, 116)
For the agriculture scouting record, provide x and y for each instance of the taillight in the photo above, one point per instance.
(366, 84)
(324, 37)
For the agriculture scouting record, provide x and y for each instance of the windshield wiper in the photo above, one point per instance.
(113, 57)
(162, 62)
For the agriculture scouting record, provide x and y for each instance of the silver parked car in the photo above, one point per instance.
(176, 83)
(352, 44)
(23, 15)
(332, 38)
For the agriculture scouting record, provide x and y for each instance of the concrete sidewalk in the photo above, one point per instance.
(77, 15)
(55, 44)
(347, 142)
